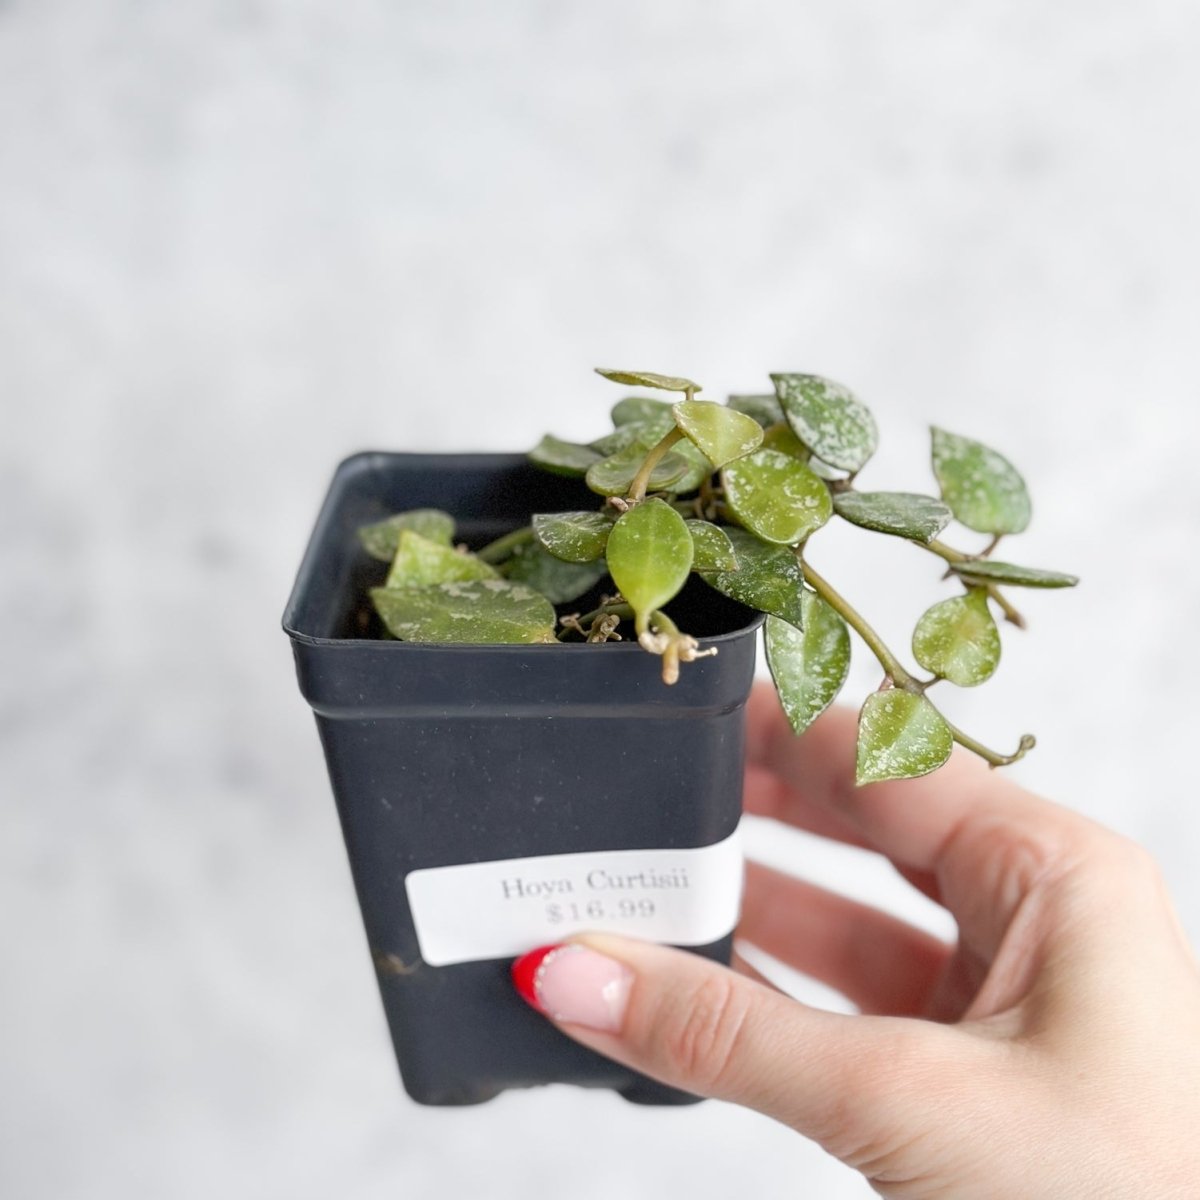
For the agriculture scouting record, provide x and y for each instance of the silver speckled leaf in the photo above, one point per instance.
(958, 639)
(381, 538)
(719, 433)
(420, 562)
(809, 666)
(563, 458)
(776, 496)
(612, 476)
(900, 736)
(479, 610)
(643, 408)
(764, 409)
(651, 379)
(768, 578)
(829, 419)
(713, 549)
(560, 582)
(575, 537)
(904, 514)
(979, 484)
(986, 570)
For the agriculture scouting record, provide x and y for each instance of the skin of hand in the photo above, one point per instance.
(1054, 1052)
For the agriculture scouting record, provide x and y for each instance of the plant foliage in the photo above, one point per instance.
(732, 494)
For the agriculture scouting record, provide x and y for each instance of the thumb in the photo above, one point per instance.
(851, 1083)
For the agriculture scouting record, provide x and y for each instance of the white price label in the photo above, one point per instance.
(501, 909)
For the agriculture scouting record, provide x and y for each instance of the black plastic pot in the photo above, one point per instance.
(442, 755)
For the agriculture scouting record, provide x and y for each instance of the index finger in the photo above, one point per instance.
(967, 827)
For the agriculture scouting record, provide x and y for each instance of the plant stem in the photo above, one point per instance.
(899, 676)
(887, 660)
(502, 547)
(950, 555)
(1027, 743)
(637, 489)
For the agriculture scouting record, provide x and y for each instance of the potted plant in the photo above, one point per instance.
(529, 677)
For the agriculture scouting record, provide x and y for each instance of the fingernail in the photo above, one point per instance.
(575, 985)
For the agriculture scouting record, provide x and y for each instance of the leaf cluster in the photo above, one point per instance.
(733, 493)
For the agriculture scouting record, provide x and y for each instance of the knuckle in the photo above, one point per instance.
(701, 1030)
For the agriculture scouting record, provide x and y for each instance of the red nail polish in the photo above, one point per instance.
(524, 973)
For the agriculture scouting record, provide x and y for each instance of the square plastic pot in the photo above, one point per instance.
(449, 754)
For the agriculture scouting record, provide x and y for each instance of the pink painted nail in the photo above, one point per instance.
(575, 985)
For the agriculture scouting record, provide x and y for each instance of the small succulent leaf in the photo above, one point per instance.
(649, 555)
(478, 610)
(612, 476)
(809, 666)
(713, 551)
(958, 639)
(766, 410)
(719, 433)
(781, 438)
(824, 470)
(575, 537)
(698, 469)
(381, 538)
(647, 432)
(563, 458)
(420, 562)
(900, 736)
(650, 379)
(829, 419)
(904, 514)
(560, 582)
(768, 578)
(776, 497)
(987, 570)
(980, 485)
(636, 409)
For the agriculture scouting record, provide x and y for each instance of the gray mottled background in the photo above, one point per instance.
(239, 240)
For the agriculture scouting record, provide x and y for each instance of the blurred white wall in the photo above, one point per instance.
(241, 239)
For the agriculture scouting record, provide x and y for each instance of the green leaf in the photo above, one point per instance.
(651, 379)
(420, 562)
(646, 432)
(719, 433)
(900, 736)
(829, 419)
(958, 639)
(776, 497)
(765, 410)
(563, 458)
(981, 486)
(768, 577)
(809, 666)
(575, 537)
(904, 514)
(649, 556)
(713, 549)
(381, 538)
(560, 582)
(986, 570)
(612, 476)
(479, 610)
(781, 438)
(698, 469)
(638, 409)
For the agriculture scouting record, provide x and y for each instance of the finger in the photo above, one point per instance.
(964, 834)
(881, 964)
(845, 1081)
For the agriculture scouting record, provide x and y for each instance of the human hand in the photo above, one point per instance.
(1054, 1052)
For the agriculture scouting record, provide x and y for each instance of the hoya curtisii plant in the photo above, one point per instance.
(733, 492)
